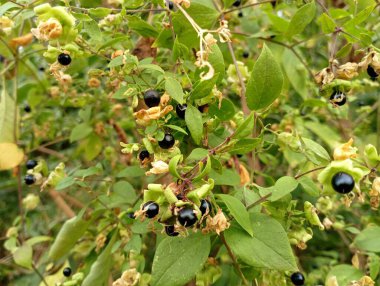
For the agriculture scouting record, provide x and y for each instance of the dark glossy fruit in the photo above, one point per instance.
(343, 183)
(187, 217)
(151, 209)
(180, 197)
(131, 215)
(205, 207)
(237, 3)
(371, 72)
(143, 155)
(27, 108)
(170, 5)
(29, 179)
(245, 55)
(1, 59)
(240, 14)
(30, 164)
(152, 98)
(169, 229)
(64, 59)
(239, 155)
(181, 110)
(338, 98)
(66, 271)
(297, 279)
(167, 142)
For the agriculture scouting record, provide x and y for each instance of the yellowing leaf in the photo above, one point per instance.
(10, 156)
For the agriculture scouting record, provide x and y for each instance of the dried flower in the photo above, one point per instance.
(218, 223)
(244, 175)
(93, 82)
(31, 201)
(159, 167)
(185, 3)
(21, 41)
(325, 76)
(129, 277)
(6, 25)
(49, 30)
(347, 71)
(224, 32)
(100, 242)
(144, 116)
(210, 40)
(345, 151)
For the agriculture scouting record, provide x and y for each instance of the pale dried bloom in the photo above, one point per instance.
(30, 202)
(93, 82)
(376, 185)
(244, 175)
(12, 231)
(144, 116)
(374, 194)
(49, 30)
(21, 41)
(364, 281)
(54, 91)
(224, 32)
(347, 71)
(345, 151)
(209, 74)
(185, 3)
(327, 223)
(6, 25)
(355, 261)
(218, 223)
(332, 281)
(165, 98)
(325, 76)
(210, 40)
(117, 53)
(159, 167)
(129, 277)
(372, 59)
(100, 241)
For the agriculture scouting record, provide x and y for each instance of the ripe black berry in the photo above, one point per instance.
(297, 279)
(131, 215)
(245, 55)
(343, 183)
(30, 164)
(152, 98)
(180, 110)
(64, 59)
(151, 209)
(187, 217)
(29, 179)
(240, 14)
(167, 142)
(27, 108)
(67, 271)
(205, 207)
(169, 229)
(170, 5)
(237, 3)
(143, 155)
(338, 98)
(371, 72)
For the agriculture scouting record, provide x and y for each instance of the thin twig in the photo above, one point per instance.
(247, 6)
(308, 172)
(259, 201)
(39, 274)
(61, 204)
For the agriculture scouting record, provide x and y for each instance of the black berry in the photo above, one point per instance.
(1, 59)
(66, 271)
(170, 5)
(180, 110)
(27, 108)
(131, 215)
(152, 98)
(30, 164)
(169, 229)
(297, 279)
(240, 14)
(29, 179)
(167, 142)
(343, 183)
(143, 155)
(41, 69)
(239, 155)
(338, 98)
(180, 196)
(245, 55)
(151, 209)
(64, 59)
(371, 72)
(187, 217)
(205, 207)
(237, 3)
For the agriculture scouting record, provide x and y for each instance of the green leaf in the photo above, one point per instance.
(268, 248)
(7, 6)
(177, 260)
(368, 239)
(173, 165)
(174, 89)
(344, 51)
(151, 67)
(203, 88)
(238, 211)
(327, 24)
(344, 274)
(265, 83)
(244, 145)
(80, 131)
(282, 187)
(315, 152)
(94, 146)
(177, 128)
(246, 127)
(93, 30)
(226, 111)
(216, 59)
(141, 27)
(309, 186)
(118, 61)
(197, 154)
(205, 170)
(99, 271)
(228, 177)
(99, 12)
(193, 119)
(23, 256)
(303, 17)
(71, 231)
(295, 72)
